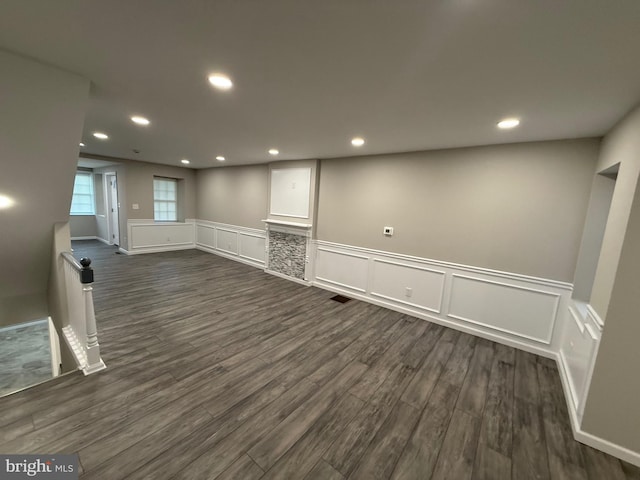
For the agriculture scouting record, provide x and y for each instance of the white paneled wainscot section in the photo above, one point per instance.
(517, 310)
(244, 244)
(149, 236)
(578, 350)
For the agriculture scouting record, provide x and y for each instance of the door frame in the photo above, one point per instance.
(113, 214)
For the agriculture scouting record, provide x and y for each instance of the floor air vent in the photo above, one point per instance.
(340, 298)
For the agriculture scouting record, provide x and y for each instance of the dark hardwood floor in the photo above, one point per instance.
(218, 370)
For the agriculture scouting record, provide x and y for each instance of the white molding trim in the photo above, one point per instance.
(341, 285)
(440, 295)
(427, 289)
(79, 353)
(549, 333)
(595, 317)
(54, 344)
(160, 249)
(338, 252)
(247, 245)
(74, 345)
(149, 236)
(427, 261)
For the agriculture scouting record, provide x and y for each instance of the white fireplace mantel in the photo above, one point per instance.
(284, 223)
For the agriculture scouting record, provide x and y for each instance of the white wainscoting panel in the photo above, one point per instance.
(578, 349)
(227, 240)
(576, 360)
(521, 311)
(243, 244)
(390, 280)
(251, 246)
(510, 308)
(147, 236)
(205, 235)
(342, 269)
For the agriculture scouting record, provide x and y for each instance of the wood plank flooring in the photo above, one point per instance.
(218, 370)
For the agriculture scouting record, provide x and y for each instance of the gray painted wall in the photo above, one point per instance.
(233, 195)
(621, 145)
(83, 225)
(40, 126)
(517, 208)
(139, 184)
(612, 410)
(135, 185)
(594, 228)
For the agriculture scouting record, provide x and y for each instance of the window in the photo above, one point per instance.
(83, 201)
(165, 200)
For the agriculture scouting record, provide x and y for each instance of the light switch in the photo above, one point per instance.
(135, 206)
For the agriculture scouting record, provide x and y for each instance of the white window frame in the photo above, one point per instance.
(164, 207)
(90, 195)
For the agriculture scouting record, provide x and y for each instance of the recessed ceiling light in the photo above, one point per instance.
(140, 120)
(100, 135)
(220, 158)
(6, 202)
(274, 151)
(81, 144)
(220, 81)
(357, 141)
(185, 161)
(508, 123)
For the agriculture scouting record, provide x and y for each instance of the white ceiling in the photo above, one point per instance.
(309, 75)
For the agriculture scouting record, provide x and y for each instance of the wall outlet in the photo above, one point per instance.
(408, 291)
(135, 206)
(388, 231)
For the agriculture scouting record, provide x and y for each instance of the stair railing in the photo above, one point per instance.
(81, 332)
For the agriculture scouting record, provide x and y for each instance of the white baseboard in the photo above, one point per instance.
(92, 237)
(88, 237)
(168, 248)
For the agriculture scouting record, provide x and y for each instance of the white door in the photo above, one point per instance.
(112, 188)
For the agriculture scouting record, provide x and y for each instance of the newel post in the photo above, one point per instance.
(94, 362)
